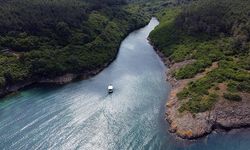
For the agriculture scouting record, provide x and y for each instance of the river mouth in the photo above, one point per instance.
(82, 115)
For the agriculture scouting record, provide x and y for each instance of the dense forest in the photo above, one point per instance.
(208, 32)
(47, 38)
(152, 7)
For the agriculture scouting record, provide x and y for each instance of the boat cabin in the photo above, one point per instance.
(110, 88)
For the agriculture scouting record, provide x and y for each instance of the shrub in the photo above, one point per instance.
(244, 86)
(232, 97)
(232, 86)
(184, 94)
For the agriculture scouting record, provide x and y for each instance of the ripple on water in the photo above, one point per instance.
(81, 115)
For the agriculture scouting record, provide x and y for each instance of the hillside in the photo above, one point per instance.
(46, 39)
(207, 44)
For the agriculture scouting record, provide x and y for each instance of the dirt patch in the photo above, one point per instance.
(225, 114)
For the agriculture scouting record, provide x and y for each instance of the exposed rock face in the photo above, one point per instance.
(225, 114)
(61, 79)
(233, 114)
(185, 125)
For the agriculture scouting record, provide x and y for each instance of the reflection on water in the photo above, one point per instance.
(81, 115)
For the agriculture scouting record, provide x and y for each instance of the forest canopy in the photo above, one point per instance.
(47, 38)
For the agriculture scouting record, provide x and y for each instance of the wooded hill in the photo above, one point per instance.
(207, 31)
(47, 38)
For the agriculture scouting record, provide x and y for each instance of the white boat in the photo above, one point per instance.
(110, 88)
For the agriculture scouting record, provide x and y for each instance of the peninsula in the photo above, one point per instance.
(206, 45)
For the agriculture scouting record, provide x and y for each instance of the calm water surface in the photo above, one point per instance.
(81, 115)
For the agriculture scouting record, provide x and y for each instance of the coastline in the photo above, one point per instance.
(224, 115)
(67, 77)
(59, 80)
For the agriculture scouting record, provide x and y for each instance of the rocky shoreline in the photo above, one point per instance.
(60, 80)
(224, 115)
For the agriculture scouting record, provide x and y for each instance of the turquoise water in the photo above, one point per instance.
(81, 115)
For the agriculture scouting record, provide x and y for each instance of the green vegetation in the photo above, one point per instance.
(207, 31)
(232, 97)
(243, 86)
(156, 7)
(44, 38)
(197, 104)
(191, 70)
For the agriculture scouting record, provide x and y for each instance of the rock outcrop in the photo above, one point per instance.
(224, 115)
